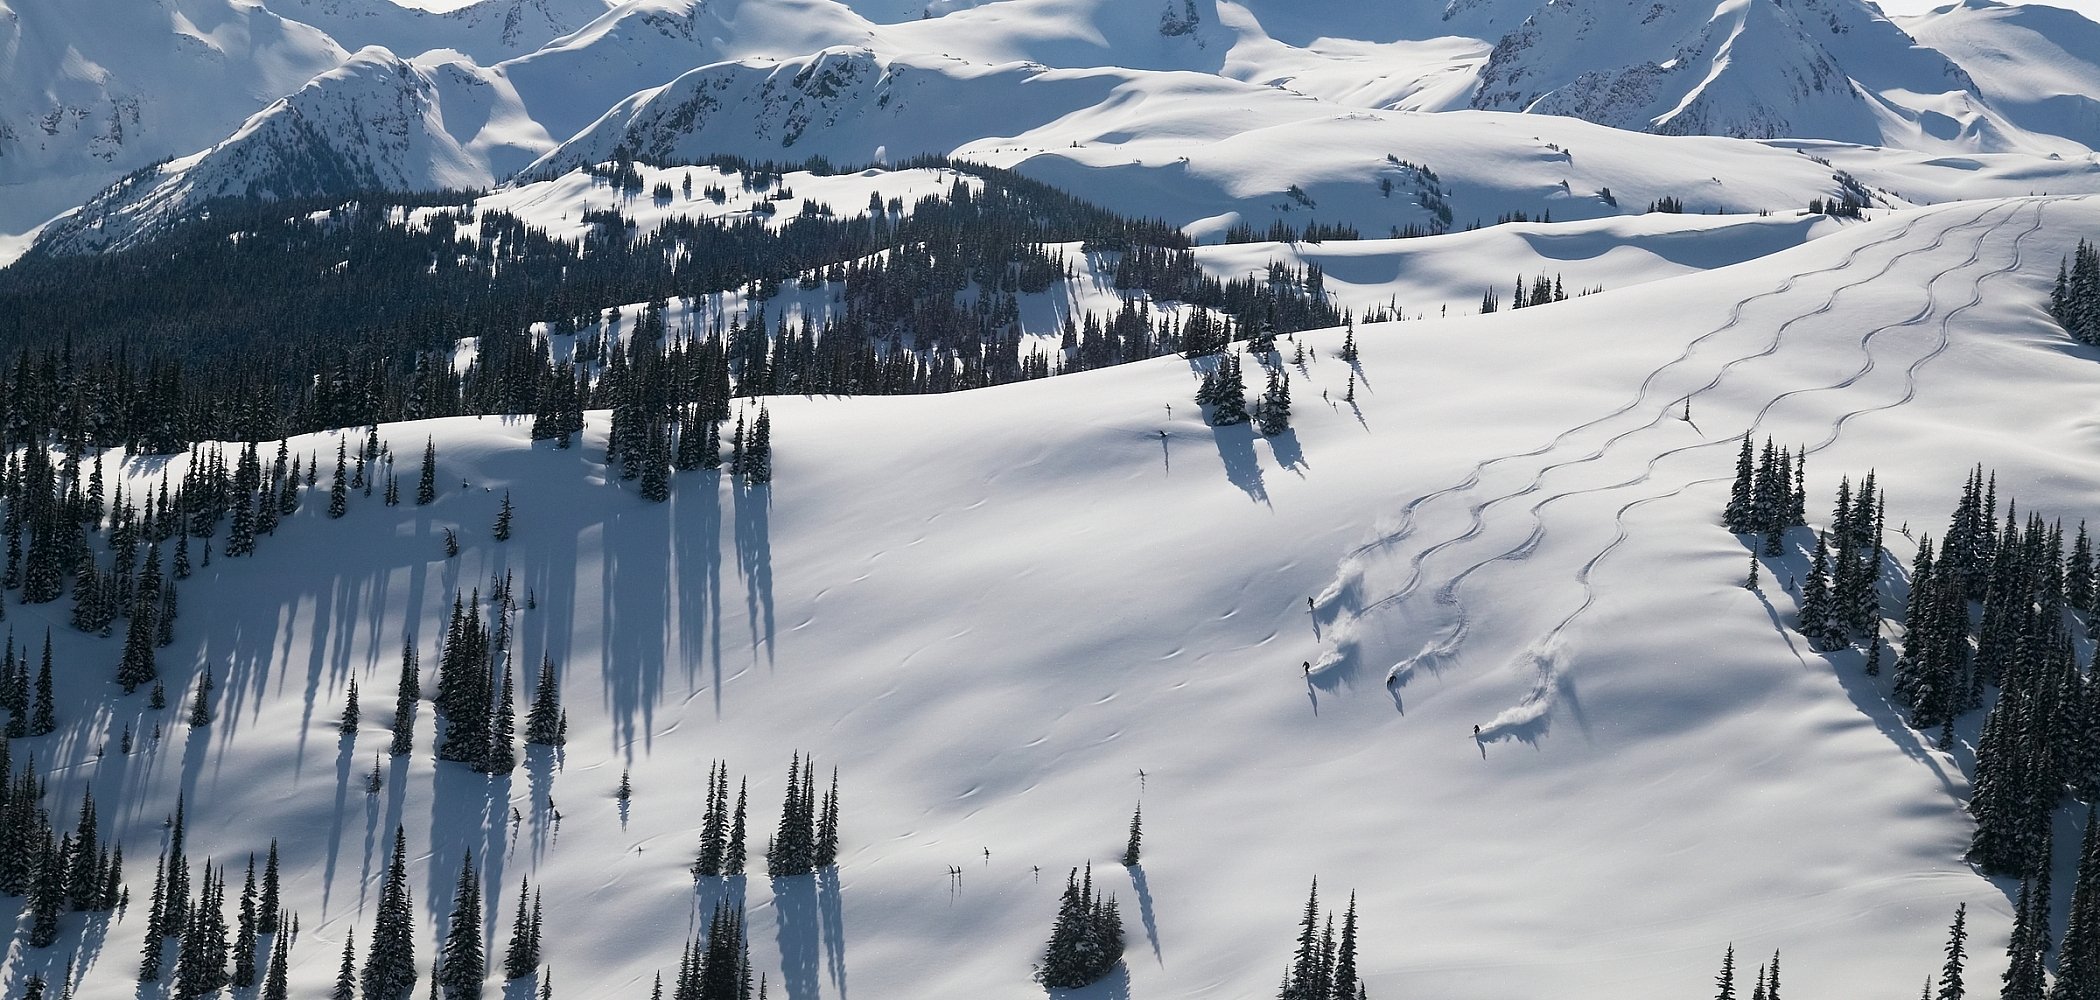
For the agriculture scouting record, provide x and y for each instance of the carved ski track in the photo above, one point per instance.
(1478, 515)
(1447, 594)
(1540, 651)
(1735, 317)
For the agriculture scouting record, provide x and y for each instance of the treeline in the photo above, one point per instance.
(263, 319)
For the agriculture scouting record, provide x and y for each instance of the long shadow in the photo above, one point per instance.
(345, 748)
(1144, 895)
(754, 551)
(540, 763)
(696, 538)
(1242, 469)
(797, 932)
(1288, 452)
(635, 607)
(832, 919)
(456, 826)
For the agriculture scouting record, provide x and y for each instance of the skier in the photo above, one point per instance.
(1476, 731)
(1309, 609)
(1308, 668)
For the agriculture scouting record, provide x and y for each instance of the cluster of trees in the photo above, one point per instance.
(668, 402)
(1087, 939)
(721, 829)
(57, 871)
(205, 959)
(302, 344)
(1540, 291)
(1280, 231)
(389, 970)
(808, 836)
(2075, 301)
(68, 531)
(1767, 985)
(30, 711)
(1994, 607)
(1839, 602)
(476, 698)
(1769, 495)
(1839, 208)
(716, 965)
(1324, 965)
(1223, 391)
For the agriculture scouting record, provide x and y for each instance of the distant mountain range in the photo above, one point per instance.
(320, 97)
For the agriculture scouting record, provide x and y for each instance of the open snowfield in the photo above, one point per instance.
(992, 610)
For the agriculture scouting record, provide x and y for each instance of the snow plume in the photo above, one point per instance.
(1528, 719)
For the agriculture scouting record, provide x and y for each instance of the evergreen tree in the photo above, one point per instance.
(1951, 987)
(789, 853)
(345, 978)
(406, 693)
(543, 723)
(1725, 982)
(733, 857)
(1273, 413)
(151, 955)
(200, 707)
(47, 893)
(502, 754)
(523, 955)
(2023, 978)
(348, 725)
(503, 515)
(339, 488)
(758, 454)
(426, 481)
(390, 966)
(1086, 941)
(43, 720)
(244, 939)
(266, 914)
(826, 852)
(1137, 836)
(1229, 396)
(277, 981)
(464, 966)
(713, 823)
(2078, 962)
(1815, 596)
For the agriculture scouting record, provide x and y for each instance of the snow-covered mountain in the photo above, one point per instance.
(1831, 69)
(511, 81)
(488, 31)
(91, 90)
(2038, 67)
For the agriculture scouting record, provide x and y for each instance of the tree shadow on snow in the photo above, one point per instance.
(696, 573)
(831, 917)
(754, 552)
(797, 932)
(1288, 452)
(1242, 468)
(1145, 916)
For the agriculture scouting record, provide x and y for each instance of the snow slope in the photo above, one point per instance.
(992, 610)
(2038, 66)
